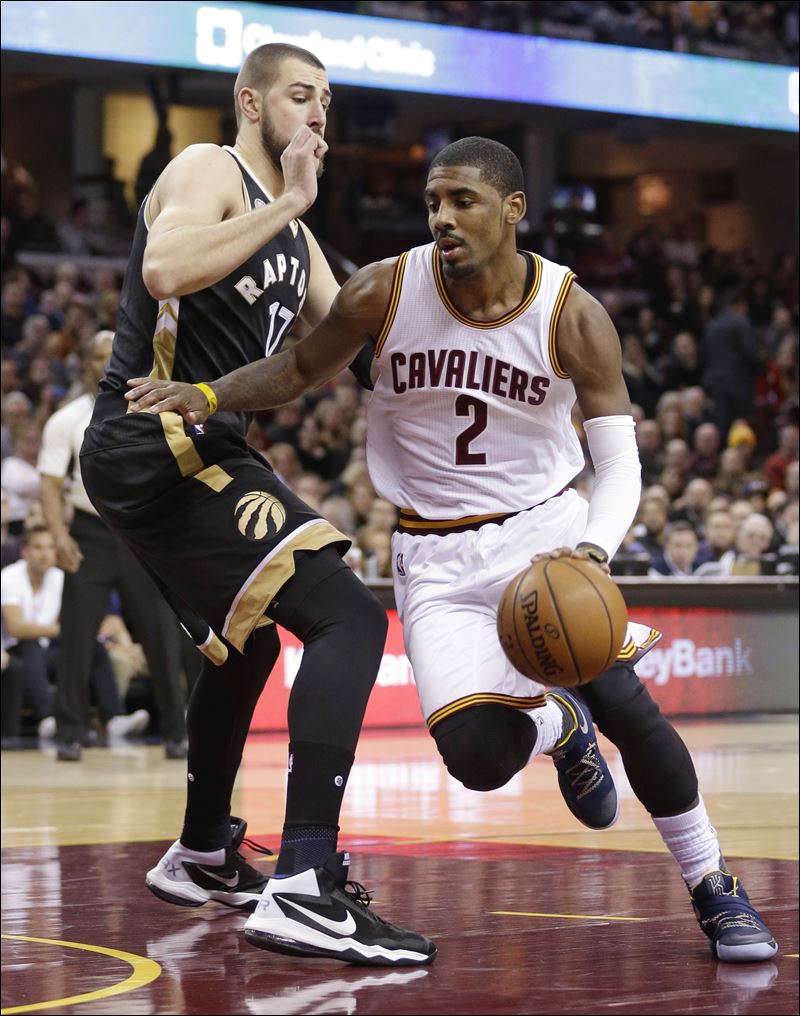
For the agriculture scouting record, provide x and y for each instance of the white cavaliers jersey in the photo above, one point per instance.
(470, 418)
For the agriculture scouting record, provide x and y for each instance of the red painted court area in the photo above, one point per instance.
(520, 929)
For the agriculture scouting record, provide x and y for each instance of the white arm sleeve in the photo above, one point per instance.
(618, 480)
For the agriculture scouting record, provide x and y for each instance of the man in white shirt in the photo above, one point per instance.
(31, 603)
(31, 607)
(95, 563)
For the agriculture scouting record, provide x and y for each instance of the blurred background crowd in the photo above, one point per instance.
(708, 331)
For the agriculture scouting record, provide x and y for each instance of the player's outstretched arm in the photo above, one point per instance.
(200, 231)
(357, 315)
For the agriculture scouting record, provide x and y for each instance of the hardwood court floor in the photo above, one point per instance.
(532, 913)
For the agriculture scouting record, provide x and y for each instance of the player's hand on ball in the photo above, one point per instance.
(152, 395)
(578, 552)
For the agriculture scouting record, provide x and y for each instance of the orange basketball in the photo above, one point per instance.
(562, 621)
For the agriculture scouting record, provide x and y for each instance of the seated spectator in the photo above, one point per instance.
(693, 506)
(314, 453)
(742, 437)
(382, 515)
(677, 454)
(361, 494)
(705, 446)
(75, 232)
(19, 476)
(127, 657)
(673, 480)
(682, 367)
(746, 557)
(339, 512)
(310, 488)
(695, 409)
(730, 475)
(376, 548)
(680, 550)
(788, 449)
(10, 544)
(285, 424)
(720, 532)
(285, 461)
(670, 418)
(649, 530)
(30, 230)
(31, 603)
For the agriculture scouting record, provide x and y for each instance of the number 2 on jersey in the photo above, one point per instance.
(276, 310)
(468, 405)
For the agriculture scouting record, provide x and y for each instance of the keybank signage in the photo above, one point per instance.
(409, 56)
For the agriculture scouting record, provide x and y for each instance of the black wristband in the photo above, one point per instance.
(593, 552)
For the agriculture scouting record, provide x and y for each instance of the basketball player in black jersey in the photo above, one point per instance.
(221, 268)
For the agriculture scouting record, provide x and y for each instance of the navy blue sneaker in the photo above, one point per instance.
(728, 918)
(584, 778)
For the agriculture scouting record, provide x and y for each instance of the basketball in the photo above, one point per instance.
(562, 621)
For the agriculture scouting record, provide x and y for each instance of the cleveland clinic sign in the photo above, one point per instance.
(413, 56)
(224, 38)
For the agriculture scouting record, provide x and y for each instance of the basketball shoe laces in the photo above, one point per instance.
(585, 774)
(354, 890)
(255, 847)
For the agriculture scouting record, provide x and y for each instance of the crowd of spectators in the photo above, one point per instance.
(709, 345)
(737, 29)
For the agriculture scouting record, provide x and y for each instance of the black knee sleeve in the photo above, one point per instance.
(484, 746)
(656, 760)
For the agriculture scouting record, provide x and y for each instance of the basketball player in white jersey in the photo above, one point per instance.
(480, 352)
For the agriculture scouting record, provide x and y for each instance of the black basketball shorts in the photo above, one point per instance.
(204, 513)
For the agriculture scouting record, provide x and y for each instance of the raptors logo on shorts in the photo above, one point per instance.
(259, 515)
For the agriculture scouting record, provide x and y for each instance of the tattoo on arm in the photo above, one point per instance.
(270, 382)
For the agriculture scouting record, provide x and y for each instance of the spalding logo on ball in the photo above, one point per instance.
(259, 514)
(562, 621)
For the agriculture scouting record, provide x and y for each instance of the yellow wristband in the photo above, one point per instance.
(211, 398)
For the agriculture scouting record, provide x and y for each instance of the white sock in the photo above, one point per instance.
(549, 720)
(692, 841)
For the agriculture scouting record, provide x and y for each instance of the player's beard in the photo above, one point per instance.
(274, 146)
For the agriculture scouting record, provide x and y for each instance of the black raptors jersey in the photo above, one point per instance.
(204, 335)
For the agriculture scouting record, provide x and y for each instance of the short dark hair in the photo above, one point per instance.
(498, 165)
(261, 66)
(29, 533)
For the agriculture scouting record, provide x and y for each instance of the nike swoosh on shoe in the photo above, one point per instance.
(344, 927)
(231, 883)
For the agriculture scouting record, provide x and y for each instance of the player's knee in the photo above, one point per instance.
(484, 746)
(370, 615)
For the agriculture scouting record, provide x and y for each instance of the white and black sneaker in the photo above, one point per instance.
(320, 913)
(190, 878)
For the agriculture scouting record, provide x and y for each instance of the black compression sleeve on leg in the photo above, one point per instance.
(343, 629)
(220, 710)
(656, 760)
(484, 746)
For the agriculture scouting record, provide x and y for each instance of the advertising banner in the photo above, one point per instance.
(708, 661)
(414, 57)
